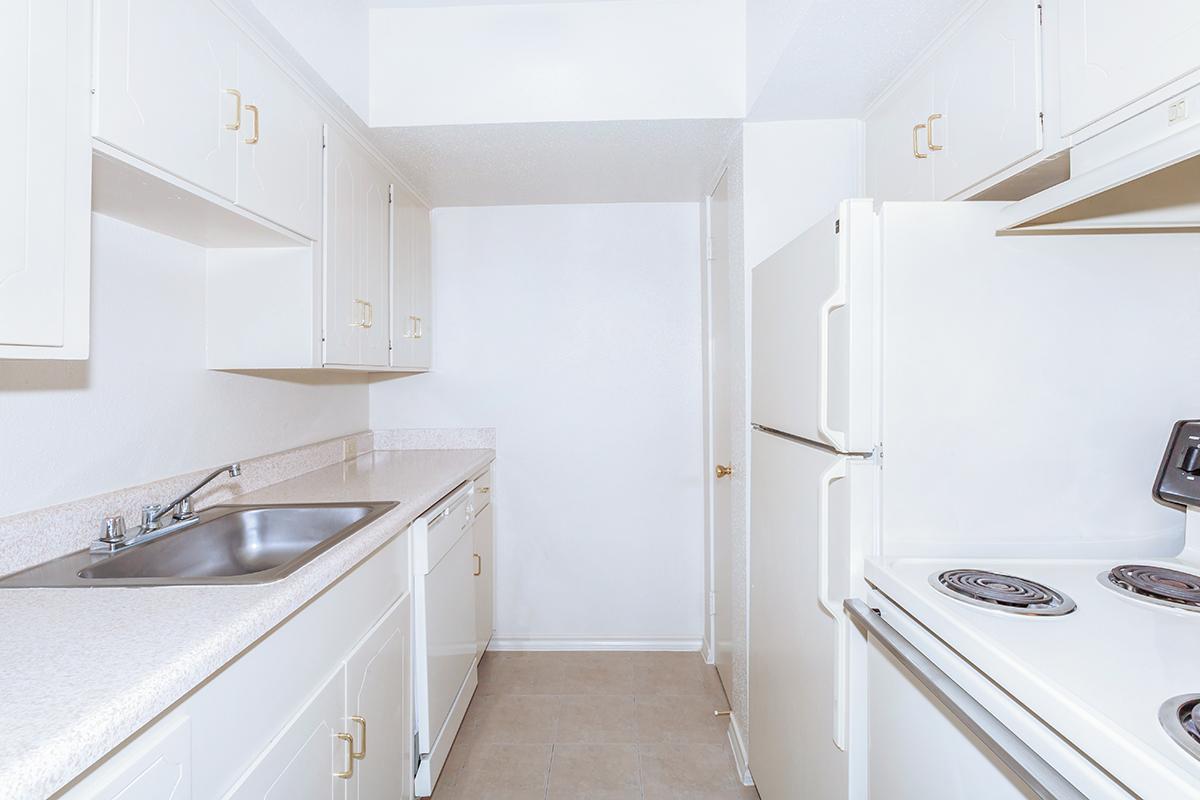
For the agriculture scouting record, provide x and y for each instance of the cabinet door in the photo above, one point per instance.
(485, 554)
(345, 179)
(374, 278)
(987, 87)
(894, 169)
(45, 208)
(300, 764)
(163, 68)
(1114, 53)
(379, 690)
(279, 156)
(157, 766)
(422, 291)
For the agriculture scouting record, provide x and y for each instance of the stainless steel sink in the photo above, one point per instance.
(228, 545)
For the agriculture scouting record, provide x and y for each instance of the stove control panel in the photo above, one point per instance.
(1179, 475)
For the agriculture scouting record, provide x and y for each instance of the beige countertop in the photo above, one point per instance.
(81, 670)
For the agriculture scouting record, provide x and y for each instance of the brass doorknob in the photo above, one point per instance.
(724, 471)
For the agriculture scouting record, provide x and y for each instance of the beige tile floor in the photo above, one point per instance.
(593, 726)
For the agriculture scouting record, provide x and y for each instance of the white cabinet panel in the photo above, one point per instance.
(162, 71)
(898, 164)
(279, 158)
(1114, 53)
(357, 231)
(482, 532)
(45, 169)
(411, 290)
(987, 88)
(379, 690)
(301, 762)
(157, 767)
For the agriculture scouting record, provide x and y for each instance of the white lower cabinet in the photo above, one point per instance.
(306, 760)
(379, 704)
(320, 708)
(485, 581)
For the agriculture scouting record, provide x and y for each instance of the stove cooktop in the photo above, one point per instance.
(1001, 592)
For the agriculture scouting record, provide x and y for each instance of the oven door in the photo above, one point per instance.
(940, 730)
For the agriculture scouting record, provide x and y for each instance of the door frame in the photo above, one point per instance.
(710, 458)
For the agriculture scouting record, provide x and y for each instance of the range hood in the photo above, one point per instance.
(1153, 189)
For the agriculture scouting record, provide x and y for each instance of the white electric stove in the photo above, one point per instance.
(1102, 653)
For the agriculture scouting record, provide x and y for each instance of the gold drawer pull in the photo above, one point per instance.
(254, 138)
(349, 772)
(916, 144)
(361, 754)
(929, 133)
(478, 565)
(237, 120)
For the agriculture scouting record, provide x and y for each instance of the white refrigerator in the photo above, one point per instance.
(924, 387)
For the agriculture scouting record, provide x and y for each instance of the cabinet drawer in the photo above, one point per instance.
(483, 490)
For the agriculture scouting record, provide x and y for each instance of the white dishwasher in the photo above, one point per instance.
(444, 603)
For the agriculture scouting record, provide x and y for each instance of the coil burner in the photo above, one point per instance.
(1002, 592)
(1166, 587)
(1180, 718)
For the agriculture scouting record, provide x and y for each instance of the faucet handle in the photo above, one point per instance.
(184, 510)
(150, 515)
(113, 530)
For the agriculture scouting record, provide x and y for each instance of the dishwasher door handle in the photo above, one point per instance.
(1045, 781)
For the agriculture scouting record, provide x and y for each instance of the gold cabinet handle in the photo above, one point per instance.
(478, 564)
(411, 331)
(348, 773)
(254, 137)
(420, 332)
(237, 120)
(929, 133)
(916, 143)
(360, 320)
(484, 490)
(361, 754)
(724, 471)
(370, 318)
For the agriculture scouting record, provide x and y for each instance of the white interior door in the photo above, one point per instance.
(720, 381)
(162, 71)
(1114, 53)
(800, 571)
(279, 155)
(987, 88)
(379, 690)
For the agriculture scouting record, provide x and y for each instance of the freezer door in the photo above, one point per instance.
(814, 333)
(809, 516)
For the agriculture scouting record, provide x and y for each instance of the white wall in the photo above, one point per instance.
(331, 35)
(144, 407)
(574, 330)
(557, 62)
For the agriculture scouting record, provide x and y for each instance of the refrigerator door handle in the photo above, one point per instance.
(836, 471)
(836, 300)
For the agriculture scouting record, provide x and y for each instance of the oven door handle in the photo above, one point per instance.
(1045, 781)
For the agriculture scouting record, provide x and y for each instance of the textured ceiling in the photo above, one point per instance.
(842, 54)
(559, 162)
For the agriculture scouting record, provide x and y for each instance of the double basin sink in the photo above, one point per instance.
(228, 544)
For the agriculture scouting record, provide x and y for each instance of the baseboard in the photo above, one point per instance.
(503, 643)
(740, 757)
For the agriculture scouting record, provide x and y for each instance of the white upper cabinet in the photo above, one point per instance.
(987, 91)
(279, 155)
(898, 166)
(166, 88)
(45, 208)
(357, 249)
(969, 112)
(1114, 53)
(411, 290)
